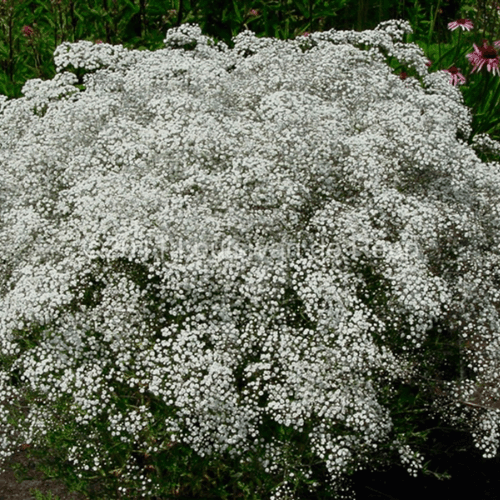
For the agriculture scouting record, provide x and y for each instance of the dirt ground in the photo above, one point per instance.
(11, 489)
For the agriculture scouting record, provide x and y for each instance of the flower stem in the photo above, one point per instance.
(431, 29)
(458, 46)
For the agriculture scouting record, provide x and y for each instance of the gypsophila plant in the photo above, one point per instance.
(244, 273)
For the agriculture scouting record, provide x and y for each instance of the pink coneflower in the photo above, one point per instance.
(456, 77)
(27, 31)
(465, 24)
(485, 56)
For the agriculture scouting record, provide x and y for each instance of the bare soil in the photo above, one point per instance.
(11, 489)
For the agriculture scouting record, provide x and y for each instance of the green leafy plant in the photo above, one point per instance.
(38, 495)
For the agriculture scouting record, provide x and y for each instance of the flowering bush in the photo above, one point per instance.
(280, 257)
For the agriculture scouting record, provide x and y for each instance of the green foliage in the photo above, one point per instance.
(38, 495)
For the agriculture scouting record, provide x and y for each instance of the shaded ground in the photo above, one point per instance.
(452, 452)
(11, 489)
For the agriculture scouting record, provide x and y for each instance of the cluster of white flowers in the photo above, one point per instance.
(245, 239)
(485, 144)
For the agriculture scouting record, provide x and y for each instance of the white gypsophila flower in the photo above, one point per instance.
(483, 143)
(213, 249)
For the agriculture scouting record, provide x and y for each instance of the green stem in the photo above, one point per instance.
(431, 29)
(180, 12)
(485, 92)
(458, 44)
